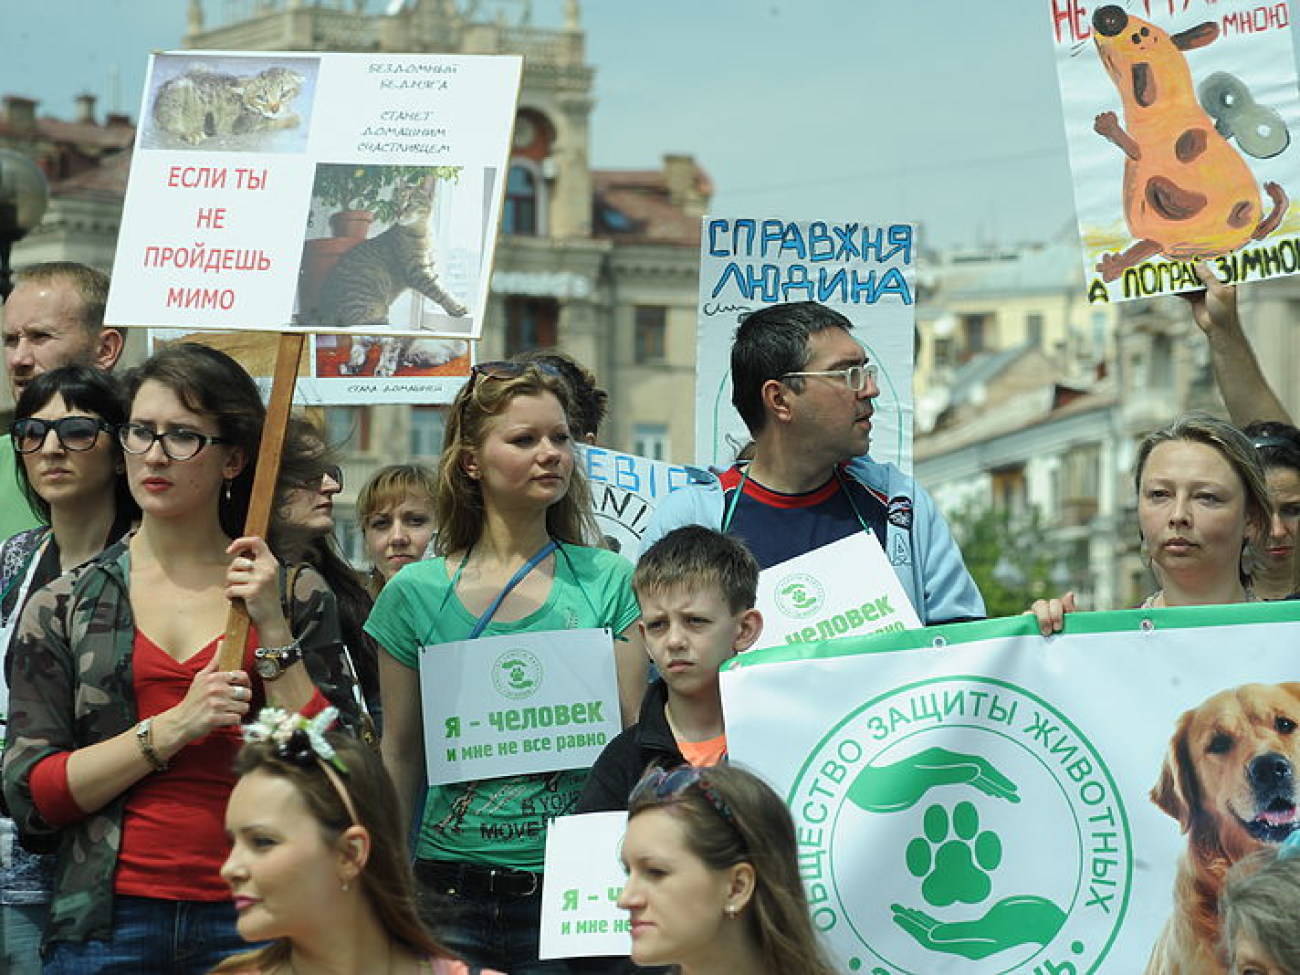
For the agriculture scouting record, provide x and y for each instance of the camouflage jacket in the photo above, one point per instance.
(73, 686)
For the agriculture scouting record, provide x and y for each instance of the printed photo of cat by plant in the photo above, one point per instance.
(229, 104)
(353, 278)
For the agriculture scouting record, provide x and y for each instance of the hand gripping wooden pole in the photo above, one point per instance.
(264, 482)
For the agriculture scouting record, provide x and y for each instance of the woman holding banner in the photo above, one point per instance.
(1203, 508)
(514, 517)
(122, 730)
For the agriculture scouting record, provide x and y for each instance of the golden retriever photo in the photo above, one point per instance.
(1229, 780)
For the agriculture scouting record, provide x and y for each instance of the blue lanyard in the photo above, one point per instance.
(515, 579)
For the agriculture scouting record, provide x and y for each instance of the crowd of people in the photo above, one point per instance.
(165, 815)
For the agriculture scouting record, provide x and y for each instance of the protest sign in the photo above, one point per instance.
(625, 491)
(350, 194)
(255, 351)
(977, 798)
(1180, 120)
(864, 270)
(583, 878)
(846, 587)
(517, 703)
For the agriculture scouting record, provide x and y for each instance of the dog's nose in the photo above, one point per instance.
(1109, 20)
(1270, 771)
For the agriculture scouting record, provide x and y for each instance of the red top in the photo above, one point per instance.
(173, 827)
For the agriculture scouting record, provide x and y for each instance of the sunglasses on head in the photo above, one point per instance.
(75, 433)
(669, 785)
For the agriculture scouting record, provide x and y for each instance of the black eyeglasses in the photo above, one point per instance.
(667, 785)
(136, 438)
(74, 433)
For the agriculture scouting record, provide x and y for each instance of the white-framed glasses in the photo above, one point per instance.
(855, 377)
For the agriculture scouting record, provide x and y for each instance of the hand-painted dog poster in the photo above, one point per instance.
(354, 195)
(865, 270)
(979, 799)
(1181, 119)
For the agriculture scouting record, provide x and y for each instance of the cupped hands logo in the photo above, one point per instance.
(965, 819)
(517, 674)
(799, 595)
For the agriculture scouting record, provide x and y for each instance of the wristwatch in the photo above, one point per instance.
(271, 662)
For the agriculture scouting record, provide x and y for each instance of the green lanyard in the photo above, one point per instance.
(730, 513)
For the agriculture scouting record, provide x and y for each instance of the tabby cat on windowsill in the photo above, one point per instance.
(367, 280)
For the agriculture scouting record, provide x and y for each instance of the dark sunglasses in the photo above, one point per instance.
(333, 471)
(668, 785)
(74, 433)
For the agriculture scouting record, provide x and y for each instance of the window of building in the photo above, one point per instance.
(531, 323)
(1034, 329)
(650, 440)
(522, 201)
(427, 425)
(349, 536)
(651, 333)
(974, 329)
(348, 428)
(943, 356)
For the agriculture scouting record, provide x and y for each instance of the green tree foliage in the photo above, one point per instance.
(1019, 542)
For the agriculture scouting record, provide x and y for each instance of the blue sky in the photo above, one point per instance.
(934, 110)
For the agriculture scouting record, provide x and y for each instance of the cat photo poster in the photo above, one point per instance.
(353, 196)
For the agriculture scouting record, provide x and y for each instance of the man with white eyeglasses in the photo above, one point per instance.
(806, 391)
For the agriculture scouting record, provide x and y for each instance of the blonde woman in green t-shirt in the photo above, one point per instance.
(513, 517)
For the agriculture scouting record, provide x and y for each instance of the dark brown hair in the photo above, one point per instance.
(760, 832)
(386, 882)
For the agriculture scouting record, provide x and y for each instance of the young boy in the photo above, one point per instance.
(697, 589)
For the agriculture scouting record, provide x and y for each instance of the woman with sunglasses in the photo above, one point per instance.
(712, 880)
(122, 730)
(70, 469)
(302, 534)
(514, 520)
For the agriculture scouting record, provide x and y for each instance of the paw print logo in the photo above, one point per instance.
(953, 856)
(799, 595)
(517, 674)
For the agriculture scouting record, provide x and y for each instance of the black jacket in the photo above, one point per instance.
(625, 759)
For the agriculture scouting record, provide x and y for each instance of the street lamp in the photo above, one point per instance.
(23, 195)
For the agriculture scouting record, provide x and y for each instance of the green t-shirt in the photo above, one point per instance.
(16, 515)
(500, 822)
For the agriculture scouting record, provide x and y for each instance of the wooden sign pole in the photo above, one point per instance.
(264, 482)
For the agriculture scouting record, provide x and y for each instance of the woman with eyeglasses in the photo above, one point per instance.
(302, 534)
(514, 523)
(122, 731)
(70, 468)
(712, 880)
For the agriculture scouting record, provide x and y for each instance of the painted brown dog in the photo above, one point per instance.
(1188, 193)
(1229, 780)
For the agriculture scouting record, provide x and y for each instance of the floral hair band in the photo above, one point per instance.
(301, 741)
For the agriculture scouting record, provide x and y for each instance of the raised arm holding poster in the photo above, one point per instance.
(863, 270)
(1180, 120)
(353, 195)
(977, 798)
